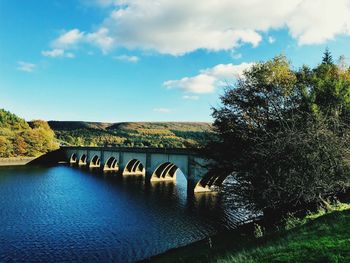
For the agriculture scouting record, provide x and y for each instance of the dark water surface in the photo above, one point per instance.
(64, 214)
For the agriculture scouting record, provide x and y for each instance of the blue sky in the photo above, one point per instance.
(139, 60)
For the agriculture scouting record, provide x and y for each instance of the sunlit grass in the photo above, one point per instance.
(323, 236)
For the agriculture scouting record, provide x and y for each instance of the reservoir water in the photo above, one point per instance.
(65, 214)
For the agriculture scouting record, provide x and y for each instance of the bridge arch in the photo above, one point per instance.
(111, 164)
(210, 181)
(165, 172)
(134, 167)
(95, 161)
(73, 158)
(83, 159)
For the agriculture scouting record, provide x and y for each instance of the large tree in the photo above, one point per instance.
(282, 154)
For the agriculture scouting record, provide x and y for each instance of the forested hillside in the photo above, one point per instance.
(20, 138)
(132, 134)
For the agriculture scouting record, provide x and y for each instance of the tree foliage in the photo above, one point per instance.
(284, 135)
(132, 134)
(327, 57)
(19, 138)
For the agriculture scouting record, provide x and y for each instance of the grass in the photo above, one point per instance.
(320, 237)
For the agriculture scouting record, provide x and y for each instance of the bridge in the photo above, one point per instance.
(155, 164)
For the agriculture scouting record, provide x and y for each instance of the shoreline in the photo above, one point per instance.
(15, 161)
(195, 251)
(302, 242)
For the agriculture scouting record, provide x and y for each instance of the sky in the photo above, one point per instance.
(161, 60)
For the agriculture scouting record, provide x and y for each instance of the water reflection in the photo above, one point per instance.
(75, 214)
(217, 206)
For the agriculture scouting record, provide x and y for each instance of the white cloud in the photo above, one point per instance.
(162, 110)
(54, 53)
(133, 59)
(182, 26)
(207, 79)
(201, 83)
(318, 21)
(227, 71)
(187, 97)
(72, 38)
(25, 66)
(69, 39)
(101, 39)
(271, 40)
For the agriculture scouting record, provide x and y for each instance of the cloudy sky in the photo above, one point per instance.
(140, 60)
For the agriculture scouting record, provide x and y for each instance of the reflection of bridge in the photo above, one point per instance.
(155, 164)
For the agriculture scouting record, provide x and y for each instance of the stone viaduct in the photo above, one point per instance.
(155, 164)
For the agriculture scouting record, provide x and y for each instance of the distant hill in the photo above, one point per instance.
(75, 125)
(132, 134)
(21, 138)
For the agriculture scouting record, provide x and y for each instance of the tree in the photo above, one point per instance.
(20, 146)
(6, 148)
(18, 138)
(327, 57)
(329, 90)
(342, 63)
(283, 156)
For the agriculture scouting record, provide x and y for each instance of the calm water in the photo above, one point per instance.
(66, 214)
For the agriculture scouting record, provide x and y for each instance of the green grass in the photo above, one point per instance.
(319, 237)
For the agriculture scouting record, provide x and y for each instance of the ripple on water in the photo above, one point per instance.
(64, 214)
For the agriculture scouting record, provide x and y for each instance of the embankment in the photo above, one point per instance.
(49, 158)
(16, 161)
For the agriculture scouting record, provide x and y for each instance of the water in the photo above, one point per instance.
(64, 214)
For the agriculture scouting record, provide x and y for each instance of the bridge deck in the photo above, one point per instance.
(179, 151)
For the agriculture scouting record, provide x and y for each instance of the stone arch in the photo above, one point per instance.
(95, 162)
(134, 167)
(83, 159)
(111, 164)
(165, 172)
(73, 159)
(208, 181)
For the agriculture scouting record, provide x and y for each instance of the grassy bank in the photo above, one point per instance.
(12, 161)
(321, 237)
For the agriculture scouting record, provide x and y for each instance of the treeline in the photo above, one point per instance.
(20, 138)
(284, 135)
(133, 134)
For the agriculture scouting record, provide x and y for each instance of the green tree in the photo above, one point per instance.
(327, 57)
(19, 138)
(283, 156)
(328, 87)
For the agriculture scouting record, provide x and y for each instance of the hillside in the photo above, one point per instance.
(132, 134)
(19, 138)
